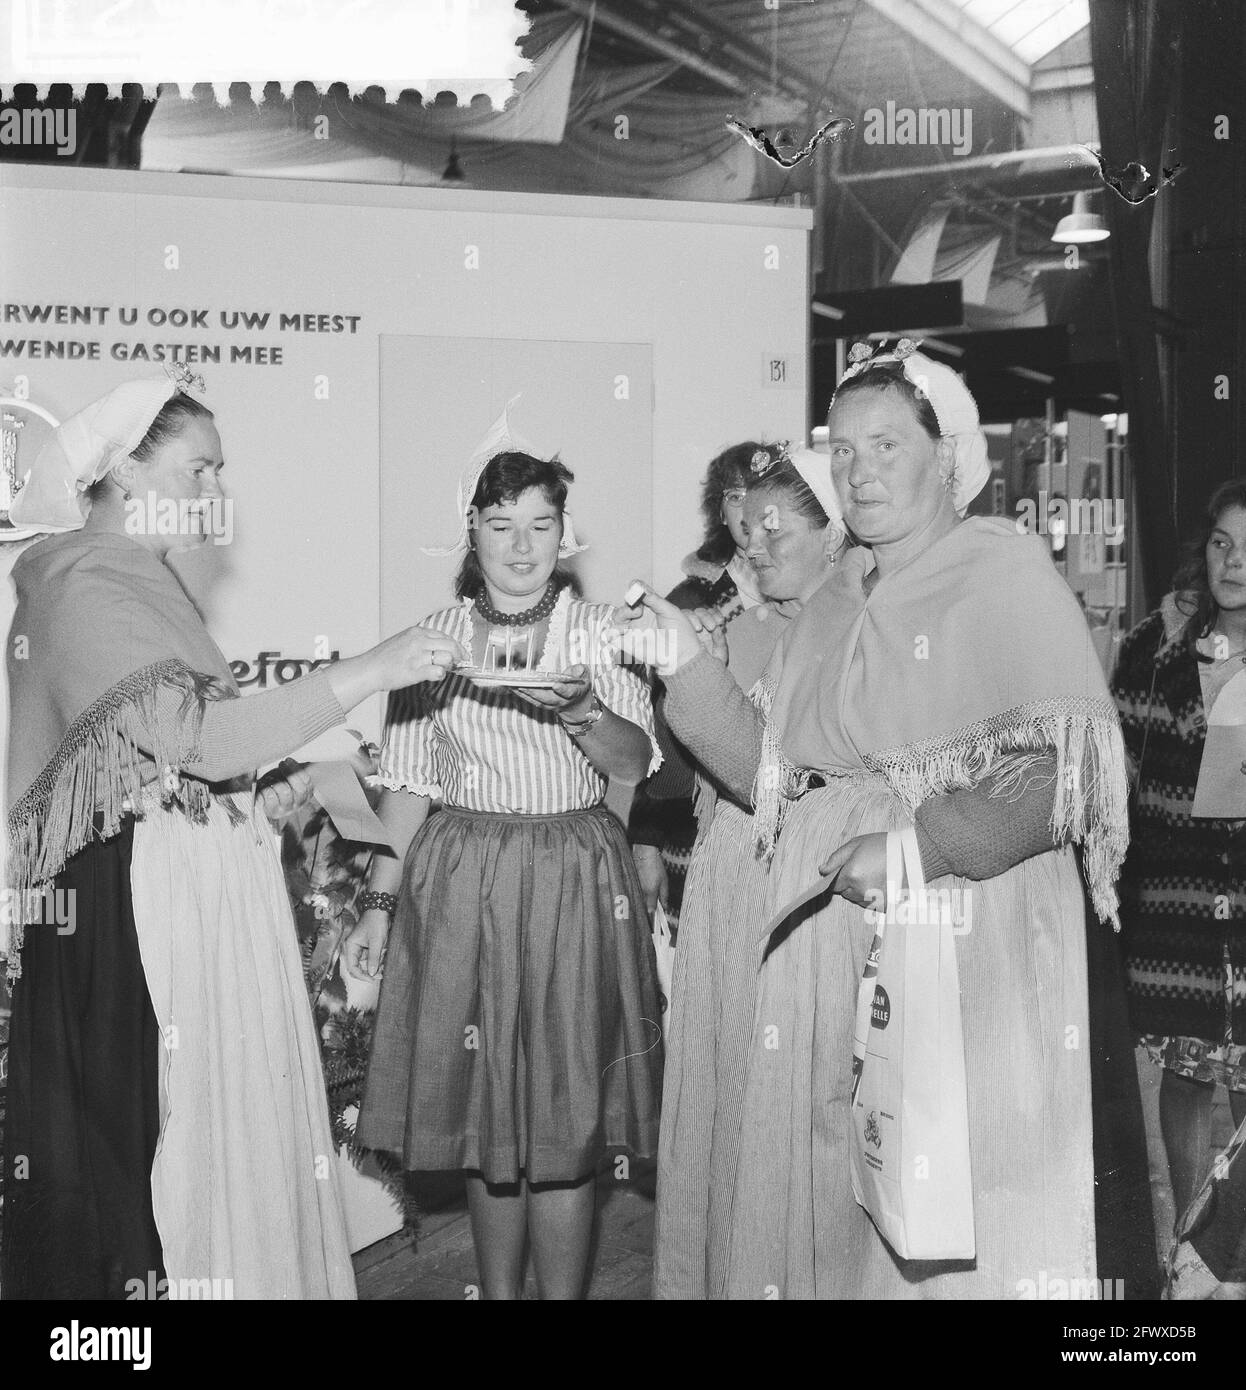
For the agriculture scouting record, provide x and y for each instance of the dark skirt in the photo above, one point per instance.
(83, 1097)
(679, 827)
(517, 1029)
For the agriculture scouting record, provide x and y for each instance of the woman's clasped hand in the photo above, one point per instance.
(280, 793)
(858, 869)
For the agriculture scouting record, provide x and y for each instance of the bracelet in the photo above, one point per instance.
(387, 902)
(577, 728)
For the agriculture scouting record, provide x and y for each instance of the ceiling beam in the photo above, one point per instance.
(727, 56)
(961, 41)
(761, 65)
(1057, 79)
(655, 43)
(1067, 158)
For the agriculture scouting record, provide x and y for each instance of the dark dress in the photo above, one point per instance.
(82, 1120)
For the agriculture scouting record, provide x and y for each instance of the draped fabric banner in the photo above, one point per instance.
(917, 265)
(999, 293)
(605, 132)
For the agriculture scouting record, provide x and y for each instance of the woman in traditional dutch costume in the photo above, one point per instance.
(166, 1113)
(944, 678)
(518, 1032)
(663, 826)
(793, 534)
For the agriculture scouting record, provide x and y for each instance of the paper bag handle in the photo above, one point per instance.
(913, 871)
(904, 862)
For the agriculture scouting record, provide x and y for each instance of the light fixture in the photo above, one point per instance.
(1081, 225)
(453, 172)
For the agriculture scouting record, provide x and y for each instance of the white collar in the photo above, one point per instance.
(745, 577)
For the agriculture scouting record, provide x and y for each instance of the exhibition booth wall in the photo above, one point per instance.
(357, 343)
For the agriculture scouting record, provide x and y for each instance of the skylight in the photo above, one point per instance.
(1031, 28)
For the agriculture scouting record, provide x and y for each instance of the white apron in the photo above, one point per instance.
(244, 1183)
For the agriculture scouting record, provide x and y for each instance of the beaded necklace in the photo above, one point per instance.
(536, 614)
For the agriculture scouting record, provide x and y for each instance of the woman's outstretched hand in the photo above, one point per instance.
(656, 632)
(418, 654)
(407, 658)
(858, 869)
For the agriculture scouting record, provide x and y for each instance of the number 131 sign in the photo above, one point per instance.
(776, 371)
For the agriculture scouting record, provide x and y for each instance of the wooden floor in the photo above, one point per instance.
(442, 1264)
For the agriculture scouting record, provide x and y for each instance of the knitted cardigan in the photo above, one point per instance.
(1183, 904)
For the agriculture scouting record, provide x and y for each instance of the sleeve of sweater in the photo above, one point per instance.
(675, 780)
(237, 736)
(977, 836)
(717, 723)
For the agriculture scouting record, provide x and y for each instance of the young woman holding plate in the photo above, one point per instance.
(516, 1034)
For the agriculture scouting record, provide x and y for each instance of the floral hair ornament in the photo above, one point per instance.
(863, 355)
(953, 406)
(184, 378)
(499, 439)
(859, 353)
(88, 446)
(769, 457)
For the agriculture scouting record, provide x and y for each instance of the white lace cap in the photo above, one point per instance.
(499, 439)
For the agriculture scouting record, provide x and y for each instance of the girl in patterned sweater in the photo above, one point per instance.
(1183, 909)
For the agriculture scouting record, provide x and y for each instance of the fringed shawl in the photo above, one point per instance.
(972, 659)
(751, 638)
(101, 627)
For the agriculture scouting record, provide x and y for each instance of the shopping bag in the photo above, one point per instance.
(664, 951)
(910, 1114)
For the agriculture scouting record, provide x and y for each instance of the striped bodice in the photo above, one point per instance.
(487, 749)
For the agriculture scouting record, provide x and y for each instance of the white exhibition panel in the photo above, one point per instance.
(567, 403)
(698, 299)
